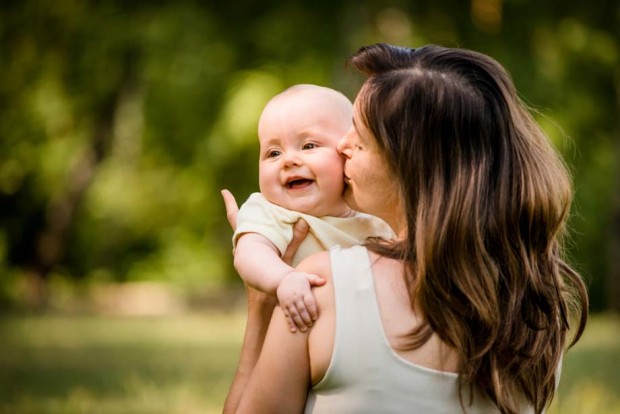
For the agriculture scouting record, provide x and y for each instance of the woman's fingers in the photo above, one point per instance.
(300, 231)
(231, 208)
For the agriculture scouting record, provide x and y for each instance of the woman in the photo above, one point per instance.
(469, 308)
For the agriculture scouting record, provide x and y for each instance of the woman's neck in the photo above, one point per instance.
(398, 222)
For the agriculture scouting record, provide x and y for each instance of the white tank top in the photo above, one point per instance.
(365, 374)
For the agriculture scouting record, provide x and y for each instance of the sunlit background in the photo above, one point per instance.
(120, 121)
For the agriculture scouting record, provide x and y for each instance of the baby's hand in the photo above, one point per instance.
(296, 299)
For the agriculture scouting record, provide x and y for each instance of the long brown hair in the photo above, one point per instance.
(486, 198)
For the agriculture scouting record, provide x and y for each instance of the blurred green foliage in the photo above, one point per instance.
(121, 121)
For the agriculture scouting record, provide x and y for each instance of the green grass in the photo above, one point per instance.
(590, 382)
(176, 364)
(184, 364)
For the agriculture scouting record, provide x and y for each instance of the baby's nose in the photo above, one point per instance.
(291, 159)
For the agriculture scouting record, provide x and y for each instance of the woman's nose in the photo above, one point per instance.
(343, 146)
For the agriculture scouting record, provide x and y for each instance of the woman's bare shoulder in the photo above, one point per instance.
(321, 336)
(317, 263)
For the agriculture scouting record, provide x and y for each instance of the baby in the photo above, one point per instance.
(300, 176)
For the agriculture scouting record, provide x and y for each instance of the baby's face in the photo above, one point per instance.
(299, 167)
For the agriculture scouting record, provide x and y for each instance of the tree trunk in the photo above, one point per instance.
(53, 238)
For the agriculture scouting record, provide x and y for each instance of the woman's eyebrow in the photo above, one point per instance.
(360, 137)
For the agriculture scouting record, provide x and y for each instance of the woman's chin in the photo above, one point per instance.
(350, 199)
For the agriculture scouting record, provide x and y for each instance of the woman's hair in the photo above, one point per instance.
(486, 199)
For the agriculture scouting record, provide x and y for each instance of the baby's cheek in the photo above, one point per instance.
(268, 183)
(337, 174)
(339, 181)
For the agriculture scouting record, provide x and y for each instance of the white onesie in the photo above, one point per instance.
(257, 215)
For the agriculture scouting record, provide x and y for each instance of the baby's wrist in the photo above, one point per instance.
(285, 275)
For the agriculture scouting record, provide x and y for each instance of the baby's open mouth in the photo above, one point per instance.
(299, 183)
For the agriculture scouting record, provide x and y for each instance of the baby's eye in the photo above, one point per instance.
(309, 145)
(273, 154)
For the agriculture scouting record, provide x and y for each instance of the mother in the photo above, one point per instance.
(468, 310)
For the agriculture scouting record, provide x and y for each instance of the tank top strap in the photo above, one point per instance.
(356, 339)
(351, 268)
(358, 319)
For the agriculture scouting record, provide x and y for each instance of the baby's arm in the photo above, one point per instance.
(258, 262)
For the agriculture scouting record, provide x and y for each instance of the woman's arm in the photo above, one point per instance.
(260, 308)
(280, 380)
(273, 376)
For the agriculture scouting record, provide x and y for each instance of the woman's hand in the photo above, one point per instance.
(231, 208)
(300, 229)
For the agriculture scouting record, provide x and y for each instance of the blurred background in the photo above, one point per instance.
(120, 121)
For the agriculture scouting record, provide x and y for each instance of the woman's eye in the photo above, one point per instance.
(309, 146)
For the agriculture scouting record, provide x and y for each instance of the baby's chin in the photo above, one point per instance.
(318, 209)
